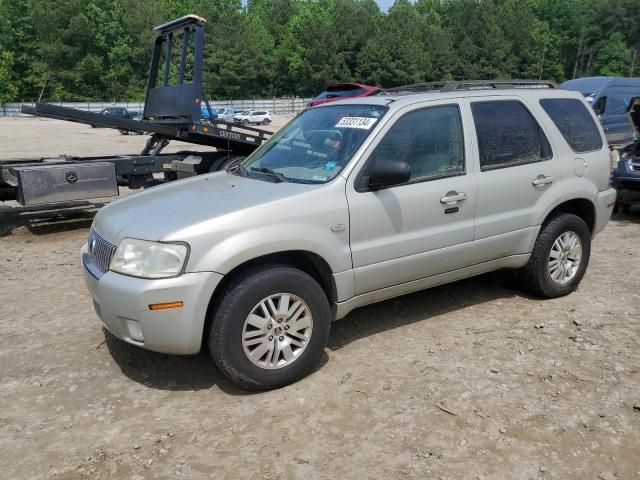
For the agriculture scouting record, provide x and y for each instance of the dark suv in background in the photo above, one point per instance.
(610, 98)
(625, 176)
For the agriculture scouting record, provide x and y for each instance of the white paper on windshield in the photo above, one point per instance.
(364, 123)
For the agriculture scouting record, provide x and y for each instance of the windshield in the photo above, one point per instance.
(316, 145)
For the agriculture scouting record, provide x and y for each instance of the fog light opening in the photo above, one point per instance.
(135, 331)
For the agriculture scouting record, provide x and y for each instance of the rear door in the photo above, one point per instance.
(425, 226)
(518, 176)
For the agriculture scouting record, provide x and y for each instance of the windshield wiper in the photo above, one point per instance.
(277, 175)
(240, 168)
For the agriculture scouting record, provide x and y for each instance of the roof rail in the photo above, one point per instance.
(458, 85)
(484, 84)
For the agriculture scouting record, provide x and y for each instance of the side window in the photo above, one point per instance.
(430, 140)
(355, 92)
(574, 122)
(600, 105)
(619, 100)
(508, 135)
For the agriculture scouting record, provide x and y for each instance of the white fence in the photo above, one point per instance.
(288, 105)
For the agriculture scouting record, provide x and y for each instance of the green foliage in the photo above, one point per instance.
(100, 49)
(613, 57)
(8, 88)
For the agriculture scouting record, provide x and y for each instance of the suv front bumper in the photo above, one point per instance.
(122, 304)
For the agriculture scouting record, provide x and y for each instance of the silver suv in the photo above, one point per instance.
(349, 204)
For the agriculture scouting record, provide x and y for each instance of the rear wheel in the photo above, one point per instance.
(560, 257)
(270, 327)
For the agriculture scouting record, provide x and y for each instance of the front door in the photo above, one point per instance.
(425, 226)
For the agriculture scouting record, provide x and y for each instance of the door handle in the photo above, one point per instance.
(542, 180)
(453, 197)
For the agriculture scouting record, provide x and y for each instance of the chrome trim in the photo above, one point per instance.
(100, 251)
(90, 267)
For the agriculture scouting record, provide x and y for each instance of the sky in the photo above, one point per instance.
(384, 4)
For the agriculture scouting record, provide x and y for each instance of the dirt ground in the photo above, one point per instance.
(473, 380)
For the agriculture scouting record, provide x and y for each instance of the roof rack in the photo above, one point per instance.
(458, 85)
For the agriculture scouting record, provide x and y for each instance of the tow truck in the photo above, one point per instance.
(174, 101)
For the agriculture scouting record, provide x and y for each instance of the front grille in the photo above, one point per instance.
(635, 165)
(100, 250)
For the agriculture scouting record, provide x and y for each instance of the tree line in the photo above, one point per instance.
(100, 49)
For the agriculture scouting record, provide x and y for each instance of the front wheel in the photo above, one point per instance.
(270, 327)
(560, 257)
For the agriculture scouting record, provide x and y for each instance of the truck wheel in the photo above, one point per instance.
(626, 208)
(229, 161)
(270, 327)
(560, 257)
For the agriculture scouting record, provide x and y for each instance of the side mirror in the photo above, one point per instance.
(386, 173)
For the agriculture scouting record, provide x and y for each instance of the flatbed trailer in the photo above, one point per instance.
(172, 111)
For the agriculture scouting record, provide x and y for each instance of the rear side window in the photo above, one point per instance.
(574, 122)
(508, 135)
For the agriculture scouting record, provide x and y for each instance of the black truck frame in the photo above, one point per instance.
(172, 111)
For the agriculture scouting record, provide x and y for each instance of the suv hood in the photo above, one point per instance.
(158, 212)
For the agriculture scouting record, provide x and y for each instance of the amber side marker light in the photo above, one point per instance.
(163, 306)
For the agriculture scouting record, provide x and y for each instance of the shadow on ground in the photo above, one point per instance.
(422, 305)
(198, 372)
(173, 372)
(42, 220)
(632, 216)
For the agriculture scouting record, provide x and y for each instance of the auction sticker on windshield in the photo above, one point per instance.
(364, 123)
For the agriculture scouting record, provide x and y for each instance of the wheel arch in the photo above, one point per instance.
(309, 262)
(581, 207)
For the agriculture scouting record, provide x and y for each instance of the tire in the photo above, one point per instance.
(265, 121)
(229, 162)
(616, 208)
(230, 325)
(626, 208)
(245, 122)
(536, 276)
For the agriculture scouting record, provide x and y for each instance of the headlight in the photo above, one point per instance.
(140, 258)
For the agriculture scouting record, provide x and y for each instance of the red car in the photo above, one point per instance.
(340, 91)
